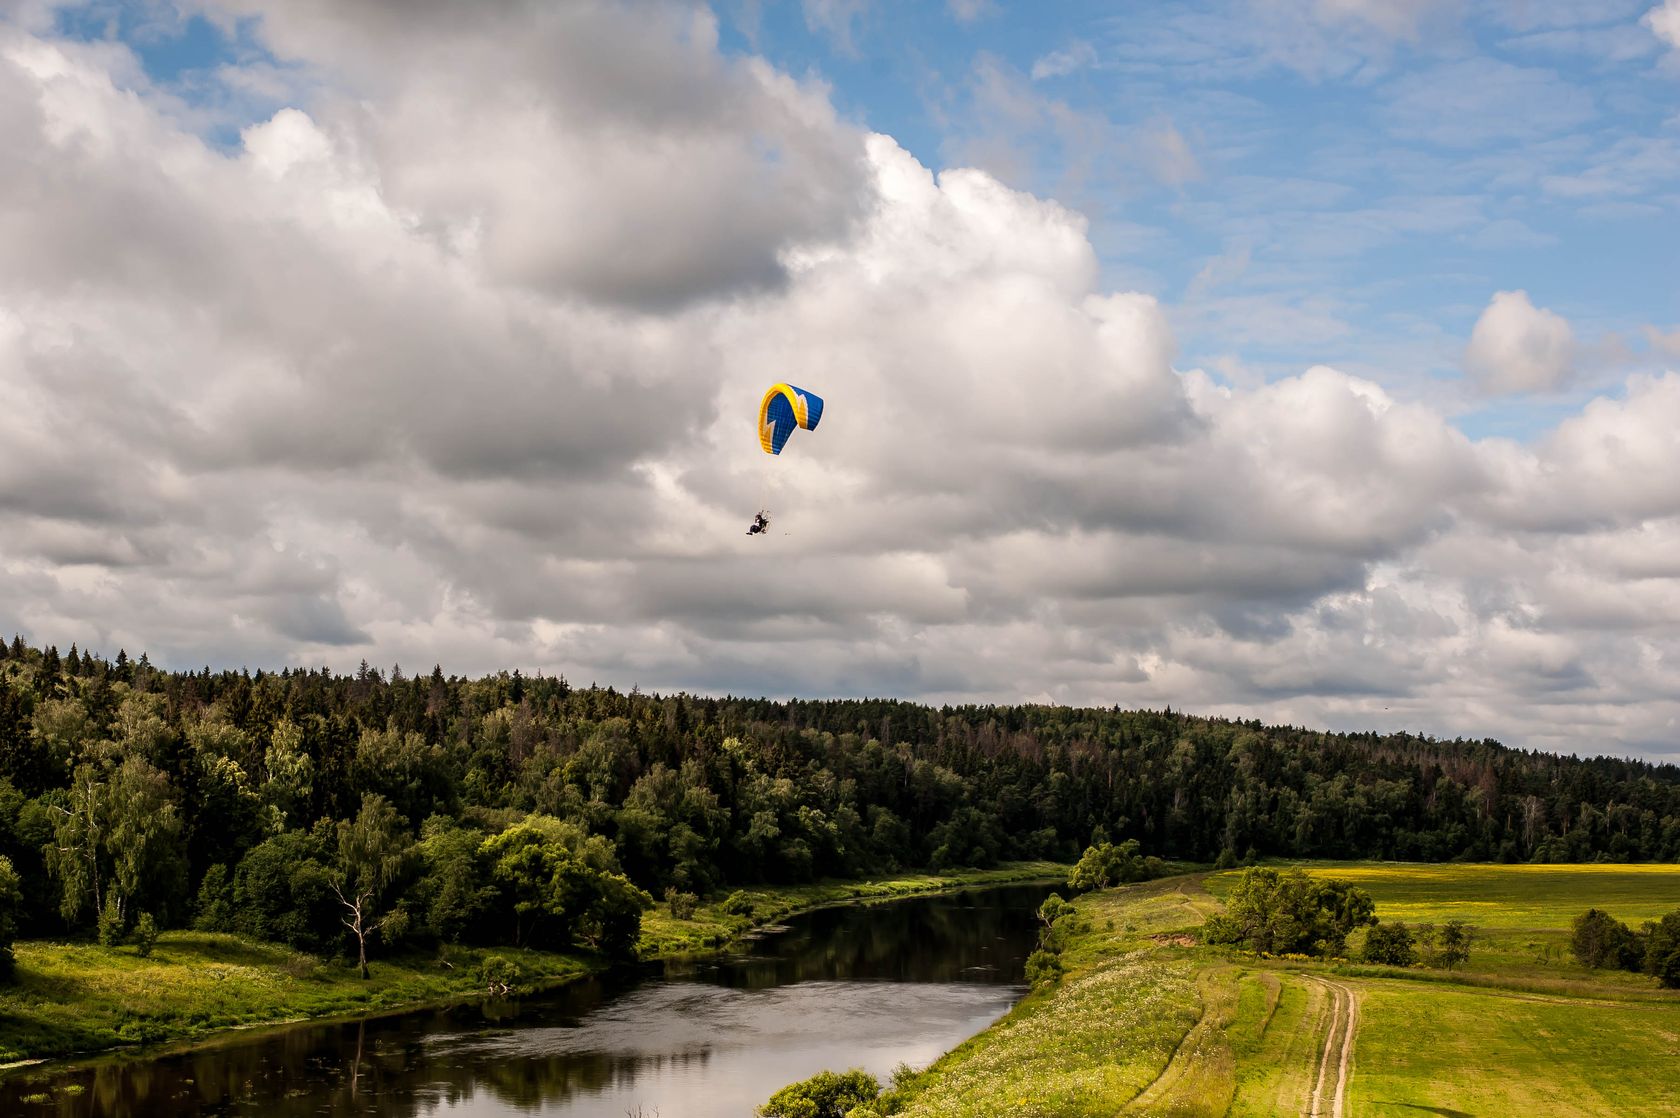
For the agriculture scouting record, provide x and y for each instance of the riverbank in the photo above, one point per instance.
(1146, 1021)
(727, 916)
(83, 999)
(78, 999)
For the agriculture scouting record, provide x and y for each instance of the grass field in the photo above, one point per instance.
(1500, 896)
(1147, 1022)
(73, 998)
(82, 998)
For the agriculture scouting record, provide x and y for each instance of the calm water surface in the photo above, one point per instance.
(847, 987)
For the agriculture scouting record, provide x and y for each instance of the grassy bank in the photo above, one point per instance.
(1146, 1021)
(713, 925)
(76, 998)
(72, 999)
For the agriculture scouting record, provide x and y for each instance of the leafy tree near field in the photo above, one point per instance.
(145, 934)
(1106, 864)
(1598, 939)
(564, 887)
(1290, 912)
(373, 855)
(116, 842)
(1447, 946)
(454, 899)
(827, 1094)
(1662, 950)
(214, 910)
(282, 891)
(1390, 944)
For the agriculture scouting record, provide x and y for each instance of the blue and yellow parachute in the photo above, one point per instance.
(784, 408)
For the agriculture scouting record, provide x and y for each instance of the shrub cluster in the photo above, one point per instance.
(1396, 945)
(1600, 940)
(1280, 912)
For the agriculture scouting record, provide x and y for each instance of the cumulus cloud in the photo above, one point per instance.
(542, 140)
(1518, 347)
(456, 358)
(1664, 22)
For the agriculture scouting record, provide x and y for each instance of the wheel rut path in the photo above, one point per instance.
(1335, 1061)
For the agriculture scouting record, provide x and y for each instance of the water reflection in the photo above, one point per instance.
(843, 987)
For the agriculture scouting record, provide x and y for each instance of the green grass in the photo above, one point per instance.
(665, 936)
(1148, 1023)
(1522, 914)
(1098, 1038)
(1444, 1050)
(76, 998)
(1495, 897)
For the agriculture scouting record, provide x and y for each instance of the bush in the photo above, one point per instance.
(1104, 865)
(825, 1095)
(112, 924)
(1447, 946)
(501, 976)
(1662, 950)
(739, 904)
(1044, 968)
(215, 901)
(1390, 945)
(1600, 940)
(682, 905)
(145, 934)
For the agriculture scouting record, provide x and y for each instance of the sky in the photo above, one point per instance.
(1315, 361)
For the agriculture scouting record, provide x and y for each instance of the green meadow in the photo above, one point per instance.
(1146, 1021)
(75, 998)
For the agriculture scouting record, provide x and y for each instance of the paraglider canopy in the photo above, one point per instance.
(785, 407)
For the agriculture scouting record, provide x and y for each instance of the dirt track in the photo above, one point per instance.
(1335, 1062)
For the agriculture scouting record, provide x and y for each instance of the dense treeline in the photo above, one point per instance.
(325, 810)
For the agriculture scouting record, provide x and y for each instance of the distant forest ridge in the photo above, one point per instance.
(694, 794)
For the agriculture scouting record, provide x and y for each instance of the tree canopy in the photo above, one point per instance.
(1283, 912)
(231, 799)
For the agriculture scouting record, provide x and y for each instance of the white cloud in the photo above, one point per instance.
(1072, 58)
(355, 387)
(1664, 22)
(1518, 347)
(544, 141)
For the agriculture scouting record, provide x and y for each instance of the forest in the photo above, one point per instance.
(359, 813)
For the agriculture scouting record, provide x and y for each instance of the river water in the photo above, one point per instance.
(869, 986)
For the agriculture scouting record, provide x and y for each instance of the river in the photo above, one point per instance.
(858, 986)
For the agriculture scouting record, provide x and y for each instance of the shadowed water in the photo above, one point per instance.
(847, 987)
